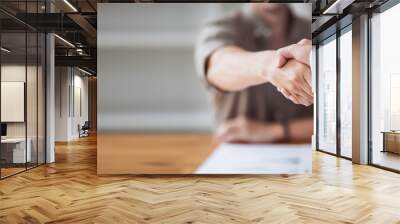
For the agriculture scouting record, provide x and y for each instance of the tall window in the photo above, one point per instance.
(346, 92)
(385, 89)
(327, 96)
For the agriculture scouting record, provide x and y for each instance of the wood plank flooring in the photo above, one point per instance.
(70, 191)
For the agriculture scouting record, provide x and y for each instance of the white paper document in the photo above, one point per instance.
(258, 159)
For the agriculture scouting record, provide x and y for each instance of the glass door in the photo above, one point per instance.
(326, 84)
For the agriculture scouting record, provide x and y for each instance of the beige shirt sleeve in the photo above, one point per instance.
(216, 34)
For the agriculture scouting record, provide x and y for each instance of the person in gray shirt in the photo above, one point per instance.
(256, 65)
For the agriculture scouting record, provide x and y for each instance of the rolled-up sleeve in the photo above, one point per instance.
(216, 34)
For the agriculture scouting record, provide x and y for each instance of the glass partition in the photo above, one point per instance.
(385, 89)
(23, 91)
(327, 95)
(346, 92)
(32, 85)
(13, 110)
(31, 100)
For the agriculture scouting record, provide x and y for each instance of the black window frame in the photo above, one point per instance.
(333, 33)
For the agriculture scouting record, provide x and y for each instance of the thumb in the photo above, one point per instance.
(281, 60)
(298, 52)
(304, 42)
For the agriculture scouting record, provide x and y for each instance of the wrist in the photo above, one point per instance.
(270, 132)
(279, 130)
(266, 64)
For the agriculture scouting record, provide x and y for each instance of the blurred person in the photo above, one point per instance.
(256, 63)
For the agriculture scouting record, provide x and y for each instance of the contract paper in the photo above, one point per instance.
(259, 159)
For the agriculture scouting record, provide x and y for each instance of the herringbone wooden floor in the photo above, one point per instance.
(69, 191)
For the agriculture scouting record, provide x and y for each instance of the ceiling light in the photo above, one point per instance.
(79, 51)
(331, 7)
(70, 5)
(65, 41)
(84, 71)
(5, 50)
(337, 7)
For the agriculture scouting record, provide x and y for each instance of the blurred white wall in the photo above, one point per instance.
(146, 75)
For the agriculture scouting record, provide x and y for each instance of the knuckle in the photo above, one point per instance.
(290, 87)
(293, 78)
(297, 77)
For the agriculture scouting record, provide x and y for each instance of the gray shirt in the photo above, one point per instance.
(262, 102)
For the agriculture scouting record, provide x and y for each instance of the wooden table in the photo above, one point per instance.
(152, 153)
(391, 141)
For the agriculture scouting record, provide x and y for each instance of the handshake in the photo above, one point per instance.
(292, 74)
(232, 68)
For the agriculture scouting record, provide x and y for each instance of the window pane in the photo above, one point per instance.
(385, 84)
(327, 97)
(346, 94)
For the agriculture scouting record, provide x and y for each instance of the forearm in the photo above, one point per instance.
(233, 69)
(300, 130)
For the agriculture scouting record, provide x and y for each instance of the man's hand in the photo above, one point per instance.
(243, 130)
(234, 69)
(300, 52)
(292, 74)
(293, 80)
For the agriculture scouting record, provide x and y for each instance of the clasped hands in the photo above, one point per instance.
(292, 74)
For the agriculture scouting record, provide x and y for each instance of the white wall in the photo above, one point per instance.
(146, 75)
(68, 82)
(12, 73)
(81, 84)
(33, 126)
(61, 104)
